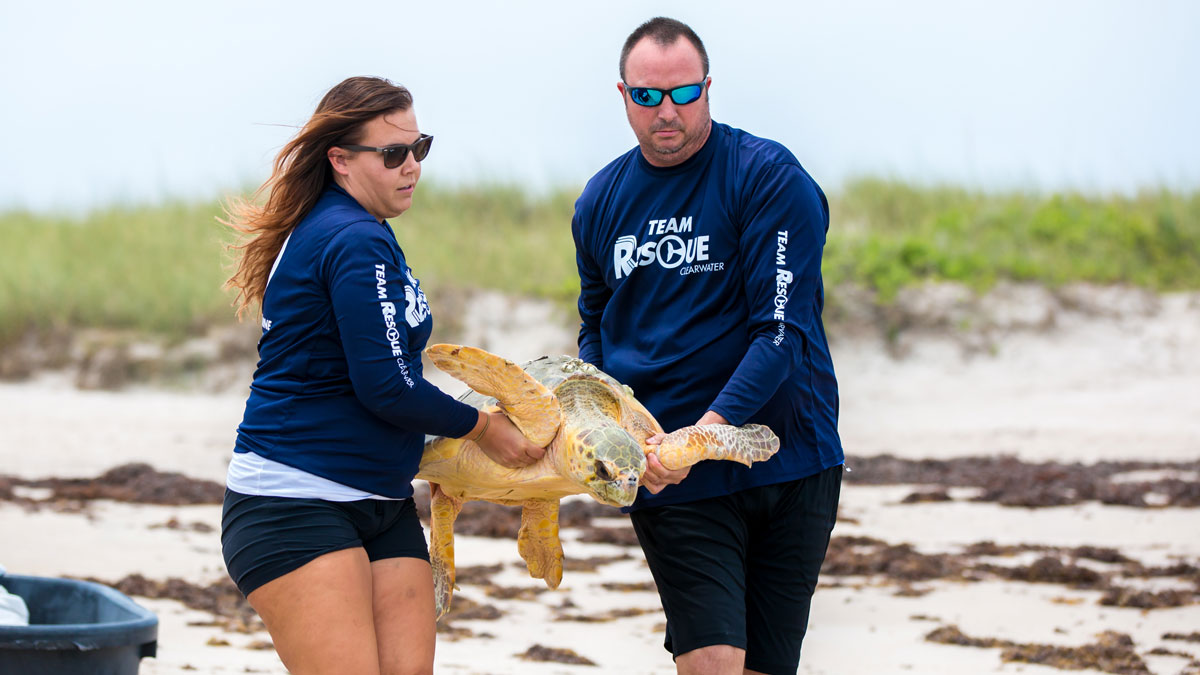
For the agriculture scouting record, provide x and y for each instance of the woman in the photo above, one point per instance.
(319, 529)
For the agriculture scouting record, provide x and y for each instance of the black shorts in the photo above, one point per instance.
(740, 569)
(264, 538)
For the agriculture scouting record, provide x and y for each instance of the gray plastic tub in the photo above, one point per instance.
(76, 628)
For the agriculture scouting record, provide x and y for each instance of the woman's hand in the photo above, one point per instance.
(503, 442)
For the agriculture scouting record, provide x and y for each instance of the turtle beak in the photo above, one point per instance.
(621, 491)
(616, 464)
(623, 481)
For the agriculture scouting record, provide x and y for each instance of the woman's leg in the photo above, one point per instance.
(405, 624)
(320, 615)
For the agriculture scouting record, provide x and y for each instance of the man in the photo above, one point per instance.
(699, 256)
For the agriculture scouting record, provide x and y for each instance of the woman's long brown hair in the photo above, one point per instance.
(301, 173)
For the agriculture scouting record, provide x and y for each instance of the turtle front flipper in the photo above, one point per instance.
(538, 541)
(443, 509)
(689, 445)
(532, 407)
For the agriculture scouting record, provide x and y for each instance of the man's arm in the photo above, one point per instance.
(781, 243)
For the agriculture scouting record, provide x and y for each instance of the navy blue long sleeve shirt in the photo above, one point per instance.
(701, 289)
(339, 391)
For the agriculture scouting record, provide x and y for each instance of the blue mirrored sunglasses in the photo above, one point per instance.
(650, 97)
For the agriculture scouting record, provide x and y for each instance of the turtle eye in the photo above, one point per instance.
(602, 471)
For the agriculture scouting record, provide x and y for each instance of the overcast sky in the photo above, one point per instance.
(103, 102)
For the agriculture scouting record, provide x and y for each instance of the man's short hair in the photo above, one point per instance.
(664, 32)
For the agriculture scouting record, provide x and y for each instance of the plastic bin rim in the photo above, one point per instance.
(83, 636)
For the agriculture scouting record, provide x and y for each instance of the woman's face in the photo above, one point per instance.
(383, 192)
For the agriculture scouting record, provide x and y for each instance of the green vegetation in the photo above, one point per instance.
(161, 268)
(492, 237)
(888, 234)
(156, 269)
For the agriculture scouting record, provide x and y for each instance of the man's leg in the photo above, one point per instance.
(792, 526)
(713, 660)
(696, 552)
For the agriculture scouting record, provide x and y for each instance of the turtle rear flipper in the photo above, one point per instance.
(689, 445)
(538, 541)
(443, 510)
(532, 407)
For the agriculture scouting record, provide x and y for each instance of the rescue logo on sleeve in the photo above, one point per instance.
(783, 279)
(417, 309)
(391, 333)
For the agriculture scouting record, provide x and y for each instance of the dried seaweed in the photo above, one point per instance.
(220, 598)
(1111, 653)
(610, 615)
(902, 565)
(136, 483)
(554, 655)
(1009, 481)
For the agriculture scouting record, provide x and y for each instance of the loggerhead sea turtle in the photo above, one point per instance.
(596, 431)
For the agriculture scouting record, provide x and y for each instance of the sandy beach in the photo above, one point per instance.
(1061, 508)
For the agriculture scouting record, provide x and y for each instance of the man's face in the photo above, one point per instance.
(667, 133)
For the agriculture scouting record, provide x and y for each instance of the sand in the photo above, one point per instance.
(1088, 389)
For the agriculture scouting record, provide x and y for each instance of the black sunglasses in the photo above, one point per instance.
(650, 97)
(394, 155)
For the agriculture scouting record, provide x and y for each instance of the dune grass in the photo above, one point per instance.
(161, 268)
(888, 234)
(156, 269)
(493, 237)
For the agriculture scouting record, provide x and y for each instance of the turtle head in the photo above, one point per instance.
(607, 462)
(599, 454)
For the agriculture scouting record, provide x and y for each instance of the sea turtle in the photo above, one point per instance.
(595, 433)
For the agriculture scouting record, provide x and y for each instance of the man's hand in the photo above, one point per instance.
(658, 476)
(504, 443)
(711, 417)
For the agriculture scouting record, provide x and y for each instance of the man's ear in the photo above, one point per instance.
(337, 159)
(621, 88)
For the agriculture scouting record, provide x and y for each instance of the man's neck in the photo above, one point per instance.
(675, 159)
